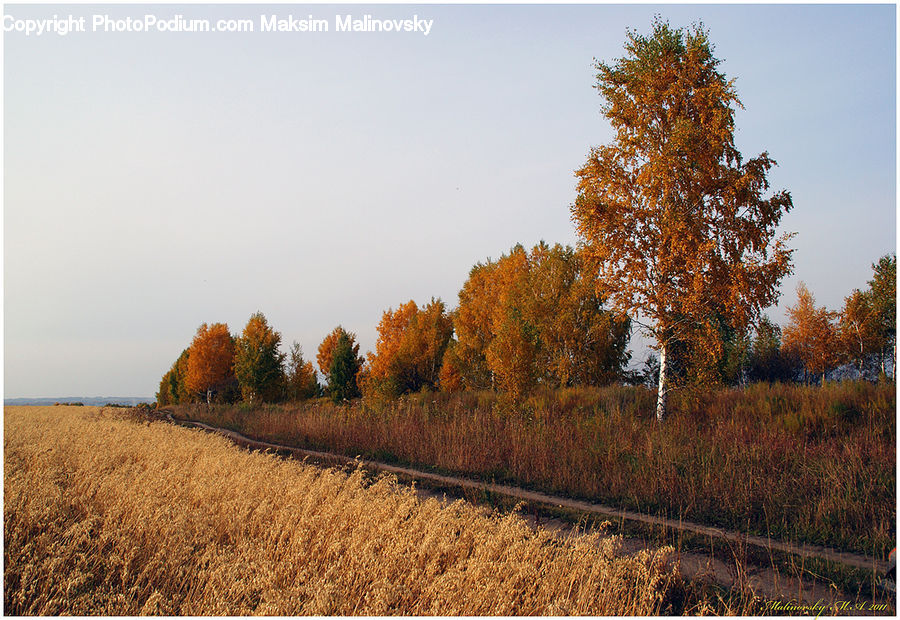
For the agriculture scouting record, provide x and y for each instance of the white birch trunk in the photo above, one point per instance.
(662, 393)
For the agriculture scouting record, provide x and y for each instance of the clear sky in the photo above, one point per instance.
(154, 181)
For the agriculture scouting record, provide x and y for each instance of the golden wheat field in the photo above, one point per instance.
(109, 515)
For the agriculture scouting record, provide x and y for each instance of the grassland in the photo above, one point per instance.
(801, 464)
(107, 515)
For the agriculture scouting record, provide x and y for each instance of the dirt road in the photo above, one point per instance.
(765, 582)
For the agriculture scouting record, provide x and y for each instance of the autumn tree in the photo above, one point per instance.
(811, 335)
(473, 322)
(300, 376)
(344, 368)
(581, 342)
(883, 290)
(513, 353)
(672, 220)
(450, 376)
(210, 362)
(534, 318)
(867, 327)
(258, 362)
(410, 349)
(325, 359)
(172, 389)
(767, 361)
(858, 329)
(384, 363)
(325, 351)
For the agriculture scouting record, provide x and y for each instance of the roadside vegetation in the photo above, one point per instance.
(799, 463)
(98, 520)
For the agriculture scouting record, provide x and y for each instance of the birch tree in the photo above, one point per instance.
(210, 361)
(673, 221)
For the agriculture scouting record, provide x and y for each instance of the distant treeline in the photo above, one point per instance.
(533, 319)
(93, 401)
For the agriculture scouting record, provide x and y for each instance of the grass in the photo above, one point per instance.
(801, 464)
(107, 515)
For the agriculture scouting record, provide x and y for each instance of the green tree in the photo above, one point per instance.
(300, 376)
(859, 330)
(883, 287)
(345, 365)
(767, 361)
(172, 389)
(673, 221)
(258, 362)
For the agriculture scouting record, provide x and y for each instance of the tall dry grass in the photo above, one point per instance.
(104, 515)
(805, 464)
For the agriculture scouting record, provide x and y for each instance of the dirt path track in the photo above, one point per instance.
(803, 550)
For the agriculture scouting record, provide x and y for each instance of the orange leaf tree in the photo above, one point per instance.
(325, 353)
(811, 335)
(410, 348)
(210, 361)
(534, 318)
(672, 220)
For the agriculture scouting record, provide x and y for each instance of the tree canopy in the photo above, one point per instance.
(811, 335)
(210, 361)
(258, 362)
(344, 368)
(410, 349)
(534, 318)
(674, 222)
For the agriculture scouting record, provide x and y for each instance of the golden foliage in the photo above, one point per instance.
(325, 352)
(534, 318)
(99, 520)
(210, 361)
(673, 221)
(450, 377)
(811, 335)
(410, 349)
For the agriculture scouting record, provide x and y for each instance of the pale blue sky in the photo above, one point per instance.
(156, 181)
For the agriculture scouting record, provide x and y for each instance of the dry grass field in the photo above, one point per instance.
(802, 464)
(107, 515)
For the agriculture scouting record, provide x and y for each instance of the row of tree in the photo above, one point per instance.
(676, 231)
(527, 319)
(859, 341)
(227, 368)
(862, 334)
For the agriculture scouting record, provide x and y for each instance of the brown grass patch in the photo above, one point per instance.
(800, 464)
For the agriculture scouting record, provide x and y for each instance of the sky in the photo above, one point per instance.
(154, 181)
